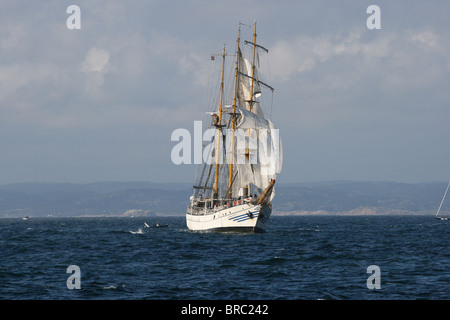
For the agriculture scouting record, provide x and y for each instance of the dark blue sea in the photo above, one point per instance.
(298, 257)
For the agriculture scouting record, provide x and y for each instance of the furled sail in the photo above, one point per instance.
(245, 80)
(258, 150)
(260, 159)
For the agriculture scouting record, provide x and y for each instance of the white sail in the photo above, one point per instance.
(245, 82)
(278, 147)
(251, 120)
(257, 139)
(440, 205)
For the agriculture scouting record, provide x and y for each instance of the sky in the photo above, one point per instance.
(100, 103)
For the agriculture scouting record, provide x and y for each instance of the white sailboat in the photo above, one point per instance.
(437, 216)
(234, 190)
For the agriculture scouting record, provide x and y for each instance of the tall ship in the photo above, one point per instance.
(234, 187)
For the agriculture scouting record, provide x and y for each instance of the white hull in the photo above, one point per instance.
(244, 217)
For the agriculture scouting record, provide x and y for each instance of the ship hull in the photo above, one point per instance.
(244, 217)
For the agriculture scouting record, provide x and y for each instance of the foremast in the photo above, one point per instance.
(219, 126)
(233, 118)
(250, 101)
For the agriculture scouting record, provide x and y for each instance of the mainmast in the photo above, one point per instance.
(218, 124)
(233, 117)
(253, 68)
(247, 152)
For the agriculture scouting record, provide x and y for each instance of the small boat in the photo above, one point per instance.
(26, 218)
(437, 216)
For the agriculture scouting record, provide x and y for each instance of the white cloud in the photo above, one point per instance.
(358, 78)
(17, 76)
(395, 55)
(96, 60)
(303, 53)
(427, 39)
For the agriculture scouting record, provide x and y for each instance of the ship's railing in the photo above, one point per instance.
(208, 206)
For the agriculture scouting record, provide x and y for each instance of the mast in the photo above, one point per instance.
(253, 68)
(219, 130)
(247, 152)
(233, 117)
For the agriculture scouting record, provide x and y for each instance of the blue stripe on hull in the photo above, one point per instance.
(245, 216)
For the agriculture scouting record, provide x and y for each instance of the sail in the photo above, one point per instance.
(442, 201)
(258, 150)
(260, 158)
(251, 120)
(245, 82)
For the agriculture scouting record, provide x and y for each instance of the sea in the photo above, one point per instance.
(297, 258)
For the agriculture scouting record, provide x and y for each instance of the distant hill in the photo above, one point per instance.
(349, 197)
(93, 199)
(145, 198)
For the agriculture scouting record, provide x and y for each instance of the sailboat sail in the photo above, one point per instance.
(245, 80)
(234, 188)
(440, 205)
(263, 161)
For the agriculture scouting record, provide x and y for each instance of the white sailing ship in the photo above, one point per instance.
(234, 190)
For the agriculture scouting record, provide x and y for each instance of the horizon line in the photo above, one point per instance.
(190, 183)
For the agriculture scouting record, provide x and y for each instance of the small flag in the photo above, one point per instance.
(213, 58)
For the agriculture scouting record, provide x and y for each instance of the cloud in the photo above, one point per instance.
(16, 77)
(303, 53)
(136, 68)
(401, 50)
(96, 60)
(427, 39)
(11, 36)
(360, 78)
